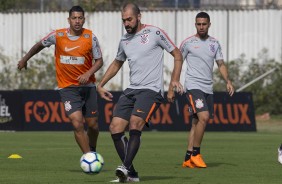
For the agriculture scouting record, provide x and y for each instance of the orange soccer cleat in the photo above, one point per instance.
(188, 163)
(198, 161)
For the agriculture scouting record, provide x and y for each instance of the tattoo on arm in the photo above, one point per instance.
(220, 63)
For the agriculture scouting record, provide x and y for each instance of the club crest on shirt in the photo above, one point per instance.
(144, 38)
(199, 103)
(212, 48)
(67, 106)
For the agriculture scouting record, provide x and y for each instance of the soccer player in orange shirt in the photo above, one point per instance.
(75, 50)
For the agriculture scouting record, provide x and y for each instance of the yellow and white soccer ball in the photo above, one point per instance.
(91, 162)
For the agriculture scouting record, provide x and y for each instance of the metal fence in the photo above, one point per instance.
(151, 5)
(245, 32)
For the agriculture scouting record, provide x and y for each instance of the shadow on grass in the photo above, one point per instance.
(212, 165)
(79, 171)
(158, 178)
(220, 164)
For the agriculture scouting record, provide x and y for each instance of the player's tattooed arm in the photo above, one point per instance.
(224, 72)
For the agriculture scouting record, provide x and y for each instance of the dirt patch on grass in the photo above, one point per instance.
(270, 125)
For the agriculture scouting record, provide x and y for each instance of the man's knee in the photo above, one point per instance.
(118, 125)
(203, 117)
(136, 123)
(92, 123)
(77, 120)
(78, 126)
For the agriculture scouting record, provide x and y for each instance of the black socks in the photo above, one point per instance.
(196, 151)
(121, 143)
(188, 155)
(133, 146)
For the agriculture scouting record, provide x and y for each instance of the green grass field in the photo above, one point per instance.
(232, 157)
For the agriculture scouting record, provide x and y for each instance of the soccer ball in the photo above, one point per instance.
(91, 162)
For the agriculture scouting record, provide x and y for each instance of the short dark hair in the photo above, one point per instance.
(133, 6)
(76, 9)
(203, 15)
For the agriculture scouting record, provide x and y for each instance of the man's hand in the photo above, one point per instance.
(170, 96)
(177, 87)
(230, 88)
(174, 86)
(83, 79)
(22, 64)
(104, 93)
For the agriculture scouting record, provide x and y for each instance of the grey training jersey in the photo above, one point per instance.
(200, 56)
(144, 52)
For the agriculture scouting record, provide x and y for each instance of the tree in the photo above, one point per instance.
(39, 75)
(266, 92)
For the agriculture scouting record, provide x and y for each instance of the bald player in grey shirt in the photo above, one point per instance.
(200, 52)
(144, 53)
(142, 47)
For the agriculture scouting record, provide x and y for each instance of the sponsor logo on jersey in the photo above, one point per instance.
(144, 38)
(193, 40)
(182, 48)
(87, 36)
(165, 41)
(199, 103)
(213, 40)
(220, 51)
(45, 42)
(70, 49)
(60, 34)
(146, 31)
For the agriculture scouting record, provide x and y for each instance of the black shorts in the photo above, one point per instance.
(80, 99)
(199, 101)
(138, 102)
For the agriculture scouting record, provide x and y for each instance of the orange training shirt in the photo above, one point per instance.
(73, 57)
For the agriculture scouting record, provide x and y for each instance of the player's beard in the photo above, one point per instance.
(203, 35)
(77, 28)
(131, 30)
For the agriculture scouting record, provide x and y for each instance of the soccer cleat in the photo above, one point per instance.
(188, 163)
(280, 155)
(128, 180)
(198, 161)
(133, 177)
(122, 173)
(115, 181)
